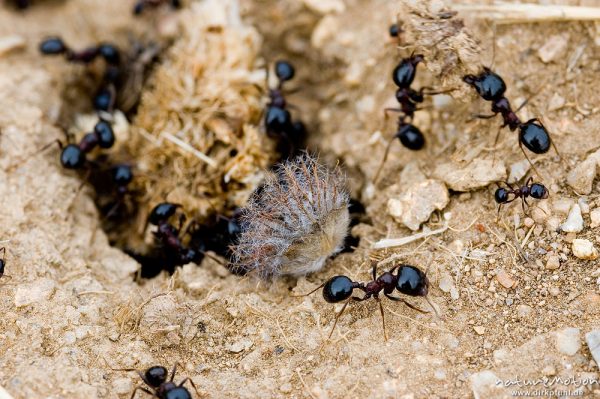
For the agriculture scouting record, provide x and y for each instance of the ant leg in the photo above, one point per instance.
(374, 271)
(385, 155)
(423, 91)
(174, 370)
(393, 298)
(385, 338)
(143, 390)
(313, 291)
(482, 116)
(3, 250)
(529, 160)
(337, 317)
(529, 181)
(191, 382)
(386, 110)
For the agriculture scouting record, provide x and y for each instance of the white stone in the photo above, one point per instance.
(37, 291)
(568, 341)
(239, 346)
(485, 385)
(476, 174)
(595, 217)
(518, 170)
(554, 47)
(584, 249)
(574, 222)
(416, 204)
(593, 342)
(581, 177)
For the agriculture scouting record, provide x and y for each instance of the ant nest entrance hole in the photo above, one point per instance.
(196, 139)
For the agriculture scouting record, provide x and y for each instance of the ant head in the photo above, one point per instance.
(395, 30)
(488, 84)
(534, 136)
(284, 70)
(538, 191)
(110, 53)
(72, 157)
(155, 376)
(103, 100)
(53, 46)
(278, 121)
(405, 71)
(122, 175)
(501, 195)
(337, 289)
(162, 212)
(411, 137)
(105, 134)
(412, 281)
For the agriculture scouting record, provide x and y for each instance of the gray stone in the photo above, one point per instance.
(415, 205)
(568, 341)
(593, 342)
(474, 175)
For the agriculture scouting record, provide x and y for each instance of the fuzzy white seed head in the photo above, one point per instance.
(298, 220)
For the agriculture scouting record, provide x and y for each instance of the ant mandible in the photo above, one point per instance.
(409, 280)
(532, 134)
(156, 378)
(529, 189)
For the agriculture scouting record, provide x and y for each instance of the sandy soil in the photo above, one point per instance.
(73, 314)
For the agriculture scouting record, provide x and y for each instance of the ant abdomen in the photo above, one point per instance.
(411, 137)
(337, 289)
(535, 137)
(412, 281)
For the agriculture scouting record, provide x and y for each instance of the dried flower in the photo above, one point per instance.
(295, 221)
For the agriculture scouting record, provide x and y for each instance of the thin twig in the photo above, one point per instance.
(510, 13)
(188, 148)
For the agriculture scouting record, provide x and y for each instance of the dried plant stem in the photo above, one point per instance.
(505, 13)
(396, 242)
(188, 148)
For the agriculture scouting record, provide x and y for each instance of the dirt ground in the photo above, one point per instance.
(515, 302)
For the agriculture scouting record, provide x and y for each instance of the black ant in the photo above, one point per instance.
(409, 135)
(409, 280)
(278, 120)
(2, 261)
(140, 5)
(73, 156)
(169, 235)
(156, 378)
(532, 134)
(529, 189)
(106, 95)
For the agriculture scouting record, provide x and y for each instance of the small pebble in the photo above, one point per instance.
(584, 249)
(553, 262)
(562, 205)
(524, 311)
(574, 222)
(504, 279)
(568, 341)
(528, 222)
(595, 217)
(518, 170)
(479, 329)
(593, 342)
(554, 47)
(581, 177)
(121, 386)
(239, 346)
(556, 102)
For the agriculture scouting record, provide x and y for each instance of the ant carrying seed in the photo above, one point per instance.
(141, 5)
(156, 379)
(532, 133)
(529, 189)
(278, 120)
(409, 280)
